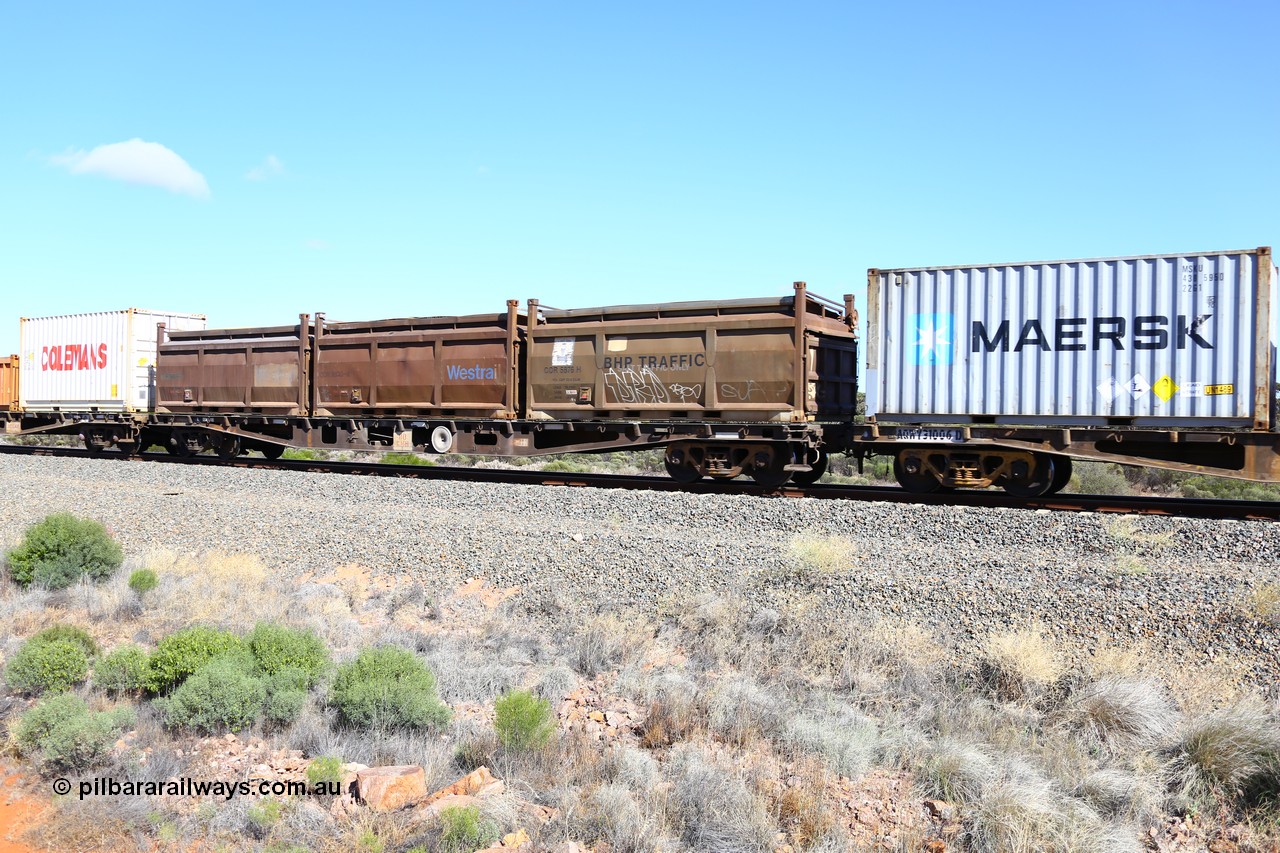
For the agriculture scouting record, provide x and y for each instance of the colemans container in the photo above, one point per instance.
(1182, 340)
(419, 366)
(737, 360)
(235, 370)
(9, 383)
(104, 361)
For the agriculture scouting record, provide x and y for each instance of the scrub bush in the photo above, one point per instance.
(181, 654)
(286, 695)
(277, 648)
(122, 670)
(58, 551)
(222, 694)
(67, 735)
(522, 721)
(143, 581)
(463, 829)
(327, 768)
(43, 666)
(71, 633)
(387, 687)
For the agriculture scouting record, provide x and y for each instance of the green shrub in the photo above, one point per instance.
(56, 552)
(143, 581)
(463, 829)
(122, 670)
(180, 654)
(265, 813)
(522, 720)
(43, 666)
(327, 768)
(286, 694)
(405, 459)
(277, 648)
(71, 633)
(283, 706)
(67, 735)
(223, 694)
(387, 687)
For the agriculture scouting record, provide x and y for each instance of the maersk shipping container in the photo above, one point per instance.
(104, 361)
(1181, 340)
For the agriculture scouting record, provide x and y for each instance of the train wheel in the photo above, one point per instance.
(1039, 481)
(227, 446)
(679, 465)
(815, 472)
(96, 440)
(921, 482)
(1061, 474)
(769, 470)
(271, 451)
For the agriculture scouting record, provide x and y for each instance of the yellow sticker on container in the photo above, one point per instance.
(1219, 390)
(115, 390)
(1164, 388)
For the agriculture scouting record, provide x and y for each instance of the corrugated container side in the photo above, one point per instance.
(103, 361)
(9, 372)
(1161, 340)
(742, 360)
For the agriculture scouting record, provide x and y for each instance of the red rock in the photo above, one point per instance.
(385, 789)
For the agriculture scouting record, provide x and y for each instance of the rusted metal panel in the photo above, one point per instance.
(103, 361)
(426, 366)
(739, 360)
(234, 370)
(9, 373)
(1181, 340)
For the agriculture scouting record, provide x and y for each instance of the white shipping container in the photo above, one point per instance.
(1156, 340)
(103, 361)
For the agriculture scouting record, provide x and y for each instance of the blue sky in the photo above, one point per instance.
(388, 159)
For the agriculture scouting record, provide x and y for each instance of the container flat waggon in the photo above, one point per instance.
(976, 376)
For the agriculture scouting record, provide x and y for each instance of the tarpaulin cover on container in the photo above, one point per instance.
(1178, 340)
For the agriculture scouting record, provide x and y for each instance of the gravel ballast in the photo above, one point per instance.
(1179, 584)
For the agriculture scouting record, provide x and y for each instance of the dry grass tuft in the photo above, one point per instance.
(1020, 664)
(230, 590)
(1263, 603)
(1123, 713)
(1220, 756)
(820, 557)
(955, 772)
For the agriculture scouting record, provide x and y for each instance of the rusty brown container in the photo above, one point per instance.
(739, 360)
(420, 367)
(235, 370)
(9, 371)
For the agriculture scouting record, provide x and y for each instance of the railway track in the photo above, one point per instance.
(1135, 505)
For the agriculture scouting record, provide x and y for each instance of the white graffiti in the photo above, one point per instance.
(685, 392)
(739, 391)
(631, 386)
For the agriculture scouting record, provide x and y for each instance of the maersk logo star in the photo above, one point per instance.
(932, 338)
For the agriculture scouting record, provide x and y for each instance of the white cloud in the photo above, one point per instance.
(137, 162)
(318, 245)
(269, 168)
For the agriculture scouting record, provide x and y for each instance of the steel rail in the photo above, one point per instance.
(1131, 505)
